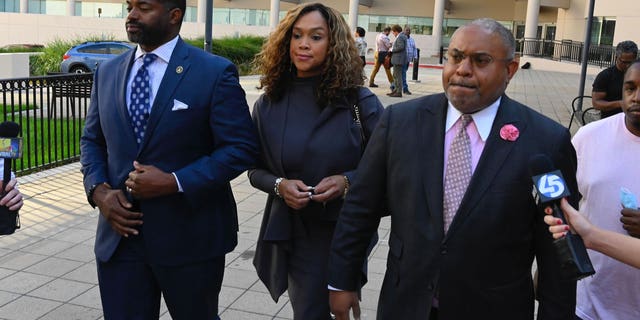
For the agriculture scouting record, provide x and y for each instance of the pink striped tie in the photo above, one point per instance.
(458, 174)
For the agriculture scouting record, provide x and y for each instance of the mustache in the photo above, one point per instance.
(462, 84)
(134, 24)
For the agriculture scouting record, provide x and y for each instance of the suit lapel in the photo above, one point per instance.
(170, 80)
(121, 105)
(494, 155)
(430, 136)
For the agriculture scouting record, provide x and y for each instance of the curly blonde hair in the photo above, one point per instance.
(342, 71)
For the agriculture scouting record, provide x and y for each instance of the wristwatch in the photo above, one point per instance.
(92, 190)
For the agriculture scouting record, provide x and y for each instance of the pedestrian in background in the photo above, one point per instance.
(383, 46)
(412, 53)
(606, 94)
(361, 44)
(398, 59)
(312, 139)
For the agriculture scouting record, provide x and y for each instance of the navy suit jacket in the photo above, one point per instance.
(205, 145)
(482, 267)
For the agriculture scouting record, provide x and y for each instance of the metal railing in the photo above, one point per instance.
(51, 112)
(567, 50)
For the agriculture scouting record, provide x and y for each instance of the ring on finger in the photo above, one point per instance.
(129, 189)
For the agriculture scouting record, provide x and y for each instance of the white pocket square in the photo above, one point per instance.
(179, 105)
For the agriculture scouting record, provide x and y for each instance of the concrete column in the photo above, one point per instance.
(531, 25)
(71, 7)
(24, 6)
(275, 14)
(438, 20)
(353, 14)
(202, 11)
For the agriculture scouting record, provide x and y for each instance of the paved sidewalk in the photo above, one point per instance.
(47, 268)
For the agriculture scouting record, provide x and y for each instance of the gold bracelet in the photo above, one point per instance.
(346, 186)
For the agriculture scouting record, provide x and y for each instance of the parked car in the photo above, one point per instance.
(87, 56)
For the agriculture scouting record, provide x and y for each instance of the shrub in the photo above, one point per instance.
(240, 50)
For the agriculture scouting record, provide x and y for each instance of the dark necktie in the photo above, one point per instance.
(140, 98)
(458, 174)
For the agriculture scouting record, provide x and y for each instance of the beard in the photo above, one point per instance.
(148, 35)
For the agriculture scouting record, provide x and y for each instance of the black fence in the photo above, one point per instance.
(567, 50)
(51, 112)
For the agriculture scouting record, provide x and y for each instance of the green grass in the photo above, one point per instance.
(7, 109)
(47, 142)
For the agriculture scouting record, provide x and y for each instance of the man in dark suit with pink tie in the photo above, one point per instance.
(168, 127)
(452, 170)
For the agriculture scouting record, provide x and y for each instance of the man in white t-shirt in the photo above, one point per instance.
(608, 151)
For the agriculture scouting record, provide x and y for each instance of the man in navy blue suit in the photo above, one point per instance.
(157, 163)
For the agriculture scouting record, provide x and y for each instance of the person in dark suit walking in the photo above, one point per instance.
(168, 127)
(311, 139)
(452, 171)
(398, 59)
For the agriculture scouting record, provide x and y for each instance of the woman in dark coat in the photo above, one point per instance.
(313, 121)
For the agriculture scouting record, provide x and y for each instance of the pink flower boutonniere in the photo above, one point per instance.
(509, 132)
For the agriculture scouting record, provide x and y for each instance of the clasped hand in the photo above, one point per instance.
(144, 182)
(297, 194)
(147, 181)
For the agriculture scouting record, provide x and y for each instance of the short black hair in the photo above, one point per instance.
(360, 31)
(180, 4)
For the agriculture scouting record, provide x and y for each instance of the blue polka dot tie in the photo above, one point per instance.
(140, 98)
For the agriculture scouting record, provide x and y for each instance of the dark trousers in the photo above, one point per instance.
(308, 261)
(434, 314)
(130, 286)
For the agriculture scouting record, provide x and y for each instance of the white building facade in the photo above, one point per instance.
(42, 21)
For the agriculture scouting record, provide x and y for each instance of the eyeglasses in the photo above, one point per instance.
(478, 60)
(625, 62)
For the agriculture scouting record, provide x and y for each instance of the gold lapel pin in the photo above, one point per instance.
(179, 69)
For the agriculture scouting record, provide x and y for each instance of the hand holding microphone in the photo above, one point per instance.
(551, 188)
(10, 197)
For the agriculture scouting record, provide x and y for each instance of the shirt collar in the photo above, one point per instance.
(483, 118)
(163, 52)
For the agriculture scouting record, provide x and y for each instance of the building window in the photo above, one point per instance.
(190, 14)
(602, 30)
(100, 9)
(10, 6)
(247, 17)
(53, 7)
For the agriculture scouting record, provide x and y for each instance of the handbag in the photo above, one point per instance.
(387, 61)
(9, 221)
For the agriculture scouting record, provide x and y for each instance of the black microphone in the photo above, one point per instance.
(550, 187)
(8, 131)
(10, 148)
